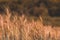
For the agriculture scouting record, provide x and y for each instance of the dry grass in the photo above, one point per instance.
(20, 28)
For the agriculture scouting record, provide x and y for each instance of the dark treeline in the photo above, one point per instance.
(31, 7)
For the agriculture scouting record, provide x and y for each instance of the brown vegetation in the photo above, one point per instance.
(25, 20)
(20, 28)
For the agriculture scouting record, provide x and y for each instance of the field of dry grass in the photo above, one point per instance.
(23, 28)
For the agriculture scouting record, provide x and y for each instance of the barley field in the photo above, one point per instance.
(18, 24)
(22, 28)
